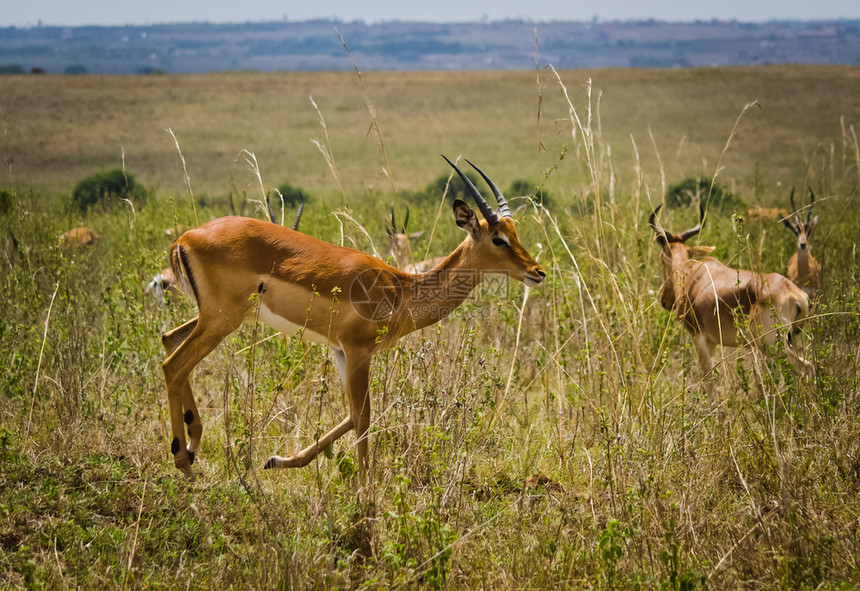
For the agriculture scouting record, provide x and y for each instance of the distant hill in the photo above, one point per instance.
(512, 44)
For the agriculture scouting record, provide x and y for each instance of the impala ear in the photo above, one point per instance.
(416, 235)
(698, 252)
(466, 218)
(812, 225)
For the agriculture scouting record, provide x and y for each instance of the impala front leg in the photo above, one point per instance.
(357, 379)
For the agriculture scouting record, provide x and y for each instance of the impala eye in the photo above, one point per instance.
(499, 242)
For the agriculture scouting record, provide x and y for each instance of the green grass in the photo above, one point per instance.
(657, 479)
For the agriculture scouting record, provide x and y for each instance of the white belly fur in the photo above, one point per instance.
(283, 325)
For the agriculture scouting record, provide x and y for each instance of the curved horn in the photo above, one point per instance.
(269, 211)
(811, 203)
(299, 214)
(684, 236)
(794, 208)
(393, 229)
(658, 229)
(504, 210)
(487, 211)
(406, 221)
(652, 220)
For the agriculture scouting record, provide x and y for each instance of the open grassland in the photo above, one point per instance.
(561, 437)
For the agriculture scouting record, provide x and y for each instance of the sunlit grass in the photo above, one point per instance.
(656, 477)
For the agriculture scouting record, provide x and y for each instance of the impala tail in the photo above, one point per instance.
(182, 272)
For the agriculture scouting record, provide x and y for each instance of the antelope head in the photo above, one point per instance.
(802, 230)
(494, 239)
(399, 243)
(675, 254)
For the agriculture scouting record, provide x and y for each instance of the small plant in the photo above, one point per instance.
(671, 558)
(611, 550)
(106, 189)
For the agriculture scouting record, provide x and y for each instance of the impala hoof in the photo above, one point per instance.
(185, 468)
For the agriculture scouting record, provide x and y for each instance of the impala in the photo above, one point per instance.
(78, 237)
(401, 250)
(706, 295)
(803, 269)
(766, 213)
(352, 302)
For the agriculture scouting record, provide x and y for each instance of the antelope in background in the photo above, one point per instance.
(401, 249)
(803, 269)
(706, 295)
(352, 302)
(78, 237)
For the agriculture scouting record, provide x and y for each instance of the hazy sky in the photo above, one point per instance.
(114, 12)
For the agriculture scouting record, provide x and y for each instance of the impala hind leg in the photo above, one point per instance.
(172, 339)
(191, 344)
(354, 372)
(704, 350)
(767, 329)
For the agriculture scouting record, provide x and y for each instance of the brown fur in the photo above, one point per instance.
(803, 269)
(78, 237)
(710, 298)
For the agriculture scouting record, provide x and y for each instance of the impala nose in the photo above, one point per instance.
(535, 277)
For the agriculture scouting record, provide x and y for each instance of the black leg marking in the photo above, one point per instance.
(191, 457)
(189, 417)
(174, 447)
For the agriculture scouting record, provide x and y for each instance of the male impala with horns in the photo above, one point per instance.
(352, 302)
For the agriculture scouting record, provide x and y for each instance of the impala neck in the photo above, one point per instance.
(673, 280)
(432, 296)
(803, 260)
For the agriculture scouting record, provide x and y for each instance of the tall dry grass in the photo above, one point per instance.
(549, 438)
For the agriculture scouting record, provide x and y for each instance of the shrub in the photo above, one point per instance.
(691, 190)
(7, 201)
(457, 190)
(292, 195)
(106, 189)
(522, 187)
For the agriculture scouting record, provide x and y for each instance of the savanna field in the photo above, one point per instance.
(561, 436)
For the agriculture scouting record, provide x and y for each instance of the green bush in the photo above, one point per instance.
(7, 201)
(106, 189)
(457, 190)
(292, 195)
(691, 190)
(522, 187)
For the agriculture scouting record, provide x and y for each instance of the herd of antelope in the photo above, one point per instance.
(716, 303)
(357, 304)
